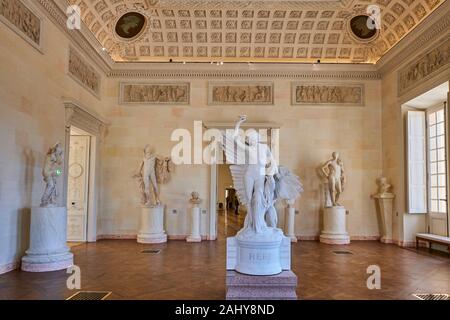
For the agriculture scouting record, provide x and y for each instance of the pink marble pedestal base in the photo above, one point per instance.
(277, 287)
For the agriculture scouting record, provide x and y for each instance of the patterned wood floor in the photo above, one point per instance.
(197, 271)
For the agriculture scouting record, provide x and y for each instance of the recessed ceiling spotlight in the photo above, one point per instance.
(184, 62)
(103, 49)
(221, 63)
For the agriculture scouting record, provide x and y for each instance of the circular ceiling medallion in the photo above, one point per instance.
(363, 28)
(130, 25)
(75, 170)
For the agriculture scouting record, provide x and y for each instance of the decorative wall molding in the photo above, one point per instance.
(431, 29)
(21, 17)
(424, 67)
(165, 74)
(81, 118)
(240, 93)
(82, 72)
(84, 39)
(155, 93)
(327, 94)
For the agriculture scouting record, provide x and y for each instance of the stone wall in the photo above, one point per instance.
(308, 136)
(32, 84)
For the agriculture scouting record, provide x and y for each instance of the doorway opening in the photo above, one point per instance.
(78, 185)
(230, 212)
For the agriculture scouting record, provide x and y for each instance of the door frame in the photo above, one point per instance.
(93, 124)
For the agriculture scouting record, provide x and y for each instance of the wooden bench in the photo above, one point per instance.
(432, 238)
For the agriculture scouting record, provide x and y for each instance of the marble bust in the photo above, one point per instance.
(50, 172)
(195, 198)
(384, 188)
(333, 172)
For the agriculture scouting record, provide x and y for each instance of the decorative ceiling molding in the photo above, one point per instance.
(167, 74)
(83, 38)
(436, 26)
(252, 4)
(251, 30)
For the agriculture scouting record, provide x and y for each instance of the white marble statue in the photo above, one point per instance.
(50, 172)
(259, 248)
(147, 178)
(333, 171)
(259, 181)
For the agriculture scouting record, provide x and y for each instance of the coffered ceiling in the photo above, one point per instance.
(252, 30)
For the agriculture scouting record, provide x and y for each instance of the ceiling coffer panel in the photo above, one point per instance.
(250, 31)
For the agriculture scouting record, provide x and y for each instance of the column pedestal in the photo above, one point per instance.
(152, 225)
(48, 241)
(384, 208)
(276, 287)
(289, 223)
(194, 235)
(334, 227)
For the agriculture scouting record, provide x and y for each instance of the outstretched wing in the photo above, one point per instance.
(238, 172)
(234, 153)
(288, 185)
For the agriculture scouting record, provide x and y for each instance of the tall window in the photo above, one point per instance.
(437, 192)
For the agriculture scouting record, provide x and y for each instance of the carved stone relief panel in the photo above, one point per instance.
(22, 20)
(424, 67)
(327, 94)
(83, 72)
(154, 93)
(240, 93)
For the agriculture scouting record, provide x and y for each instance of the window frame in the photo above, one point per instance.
(428, 111)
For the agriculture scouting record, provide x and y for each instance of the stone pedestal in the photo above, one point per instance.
(152, 225)
(194, 235)
(385, 204)
(268, 253)
(275, 287)
(48, 241)
(334, 227)
(289, 223)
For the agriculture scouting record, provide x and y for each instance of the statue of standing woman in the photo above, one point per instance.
(50, 172)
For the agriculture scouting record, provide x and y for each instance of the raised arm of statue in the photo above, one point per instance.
(240, 143)
(273, 167)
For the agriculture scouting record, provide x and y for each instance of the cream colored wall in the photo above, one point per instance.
(308, 136)
(31, 120)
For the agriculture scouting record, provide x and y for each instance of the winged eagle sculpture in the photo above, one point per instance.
(257, 178)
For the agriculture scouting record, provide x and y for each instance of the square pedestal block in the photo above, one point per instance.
(277, 287)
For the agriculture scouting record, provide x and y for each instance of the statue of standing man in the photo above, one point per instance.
(333, 171)
(147, 178)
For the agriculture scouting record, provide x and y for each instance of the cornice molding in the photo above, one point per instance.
(320, 75)
(433, 28)
(85, 119)
(82, 38)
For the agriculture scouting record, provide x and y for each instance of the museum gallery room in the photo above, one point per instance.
(224, 150)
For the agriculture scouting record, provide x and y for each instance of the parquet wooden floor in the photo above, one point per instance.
(197, 271)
